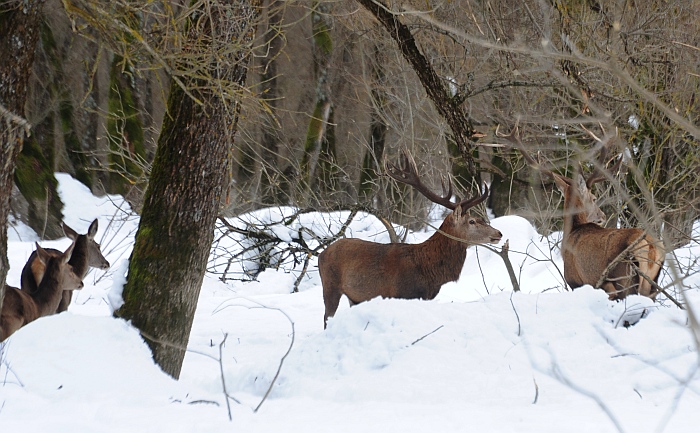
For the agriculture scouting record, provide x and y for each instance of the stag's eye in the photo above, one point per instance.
(472, 221)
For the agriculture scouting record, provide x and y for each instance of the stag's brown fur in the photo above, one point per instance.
(86, 255)
(21, 307)
(588, 249)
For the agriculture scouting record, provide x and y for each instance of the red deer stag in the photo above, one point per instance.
(363, 270)
(55, 275)
(631, 257)
(86, 255)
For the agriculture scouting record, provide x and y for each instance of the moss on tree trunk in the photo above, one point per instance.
(34, 174)
(35, 179)
(316, 135)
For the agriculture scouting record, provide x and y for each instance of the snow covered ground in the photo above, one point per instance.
(479, 358)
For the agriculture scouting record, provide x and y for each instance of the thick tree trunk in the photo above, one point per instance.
(188, 179)
(19, 33)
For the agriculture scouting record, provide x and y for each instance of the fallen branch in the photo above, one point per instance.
(503, 254)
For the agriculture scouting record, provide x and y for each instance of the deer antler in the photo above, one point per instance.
(408, 174)
(471, 202)
(514, 138)
(599, 171)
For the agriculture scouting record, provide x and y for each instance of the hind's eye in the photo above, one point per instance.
(472, 222)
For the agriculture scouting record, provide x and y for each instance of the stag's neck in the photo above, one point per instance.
(444, 256)
(573, 219)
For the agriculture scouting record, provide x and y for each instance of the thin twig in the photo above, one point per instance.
(517, 316)
(223, 378)
(289, 349)
(657, 287)
(429, 333)
(537, 391)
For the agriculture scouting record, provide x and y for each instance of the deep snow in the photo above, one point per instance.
(477, 358)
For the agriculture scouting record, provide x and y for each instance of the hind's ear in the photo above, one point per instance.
(69, 232)
(92, 231)
(68, 253)
(41, 253)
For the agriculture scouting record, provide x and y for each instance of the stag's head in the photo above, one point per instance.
(462, 224)
(579, 199)
(459, 223)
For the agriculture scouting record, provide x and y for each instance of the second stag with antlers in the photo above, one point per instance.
(363, 270)
(621, 261)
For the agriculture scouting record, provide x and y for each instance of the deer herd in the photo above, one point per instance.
(620, 261)
(48, 280)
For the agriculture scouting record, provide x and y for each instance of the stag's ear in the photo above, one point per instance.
(580, 182)
(563, 183)
(459, 211)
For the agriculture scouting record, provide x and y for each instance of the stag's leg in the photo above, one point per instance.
(612, 291)
(331, 292)
(620, 281)
(331, 298)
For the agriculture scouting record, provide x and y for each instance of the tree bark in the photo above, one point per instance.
(369, 177)
(274, 41)
(19, 33)
(321, 24)
(188, 179)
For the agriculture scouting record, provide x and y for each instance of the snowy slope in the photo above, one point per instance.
(477, 358)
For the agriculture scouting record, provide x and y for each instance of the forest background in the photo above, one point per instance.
(217, 108)
(329, 97)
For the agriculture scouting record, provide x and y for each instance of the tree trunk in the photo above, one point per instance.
(19, 33)
(187, 183)
(321, 24)
(369, 177)
(271, 191)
